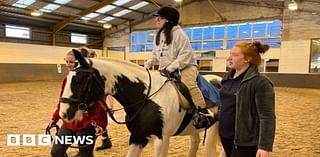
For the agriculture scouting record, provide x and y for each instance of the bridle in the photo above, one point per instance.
(83, 105)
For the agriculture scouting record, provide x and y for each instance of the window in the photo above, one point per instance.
(315, 56)
(213, 45)
(137, 48)
(134, 37)
(188, 31)
(50, 7)
(141, 37)
(142, 41)
(219, 32)
(17, 32)
(272, 65)
(116, 49)
(197, 33)
(150, 36)
(274, 28)
(245, 30)
(218, 37)
(149, 47)
(268, 32)
(231, 43)
(196, 45)
(23, 3)
(208, 33)
(259, 29)
(232, 31)
(78, 38)
(269, 65)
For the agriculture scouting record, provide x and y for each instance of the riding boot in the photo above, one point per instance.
(106, 142)
(202, 118)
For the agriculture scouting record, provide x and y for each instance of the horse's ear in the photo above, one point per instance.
(83, 62)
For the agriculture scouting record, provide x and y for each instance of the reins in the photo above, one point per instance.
(111, 111)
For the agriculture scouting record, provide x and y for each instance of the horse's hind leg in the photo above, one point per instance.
(161, 146)
(194, 145)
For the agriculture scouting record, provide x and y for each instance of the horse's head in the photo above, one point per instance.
(83, 88)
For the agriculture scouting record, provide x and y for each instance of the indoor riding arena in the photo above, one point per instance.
(36, 35)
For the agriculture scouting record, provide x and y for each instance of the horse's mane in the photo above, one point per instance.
(122, 63)
(113, 68)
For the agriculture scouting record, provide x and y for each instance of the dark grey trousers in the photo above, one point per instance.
(59, 150)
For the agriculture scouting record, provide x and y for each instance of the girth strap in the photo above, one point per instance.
(186, 120)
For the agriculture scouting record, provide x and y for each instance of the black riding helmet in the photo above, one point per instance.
(171, 14)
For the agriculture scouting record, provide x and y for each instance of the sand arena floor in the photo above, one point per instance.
(26, 108)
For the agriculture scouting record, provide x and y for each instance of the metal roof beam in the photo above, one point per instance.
(57, 27)
(137, 11)
(154, 3)
(118, 17)
(216, 11)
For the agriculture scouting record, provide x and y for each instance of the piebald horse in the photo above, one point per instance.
(151, 103)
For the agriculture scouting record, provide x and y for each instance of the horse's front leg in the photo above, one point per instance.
(161, 146)
(136, 146)
(194, 145)
(134, 150)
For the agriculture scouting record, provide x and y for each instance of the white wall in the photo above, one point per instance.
(295, 56)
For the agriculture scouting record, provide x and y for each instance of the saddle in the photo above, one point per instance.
(198, 117)
(208, 90)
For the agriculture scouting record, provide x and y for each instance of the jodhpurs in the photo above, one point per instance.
(189, 78)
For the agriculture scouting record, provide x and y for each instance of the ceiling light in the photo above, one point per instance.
(107, 25)
(293, 5)
(36, 13)
(178, 0)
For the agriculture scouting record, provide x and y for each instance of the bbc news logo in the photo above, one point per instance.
(45, 140)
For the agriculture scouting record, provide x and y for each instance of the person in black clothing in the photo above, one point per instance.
(247, 114)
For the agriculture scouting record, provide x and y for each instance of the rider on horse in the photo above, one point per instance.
(173, 50)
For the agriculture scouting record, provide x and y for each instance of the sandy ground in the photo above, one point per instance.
(26, 108)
